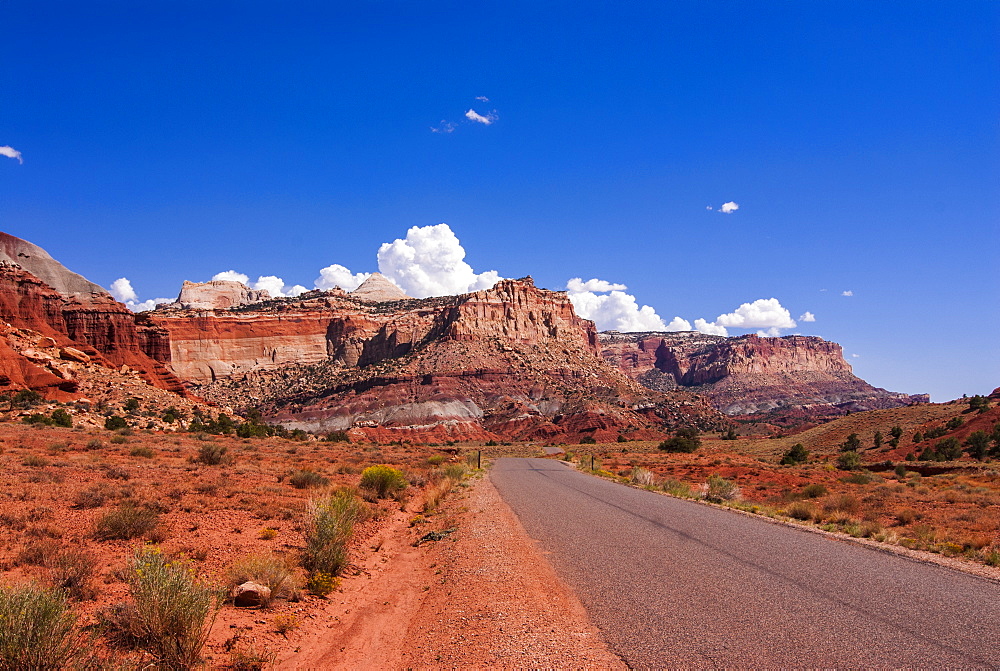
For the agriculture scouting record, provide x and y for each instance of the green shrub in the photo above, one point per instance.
(126, 522)
(38, 630)
(174, 611)
(274, 572)
(435, 459)
(677, 488)
(306, 478)
(456, 472)
(852, 444)
(114, 422)
(321, 583)
(337, 437)
(588, 440)
(814, 491)
(61, 418)
(35, 461)
(119, 440)
(142, 451)
(719, 489)
(329, 524)
(798, 454)
(849, 461)
(382, 481)
(801, 510)
(860, 478)
(37, 418)
(212, 454)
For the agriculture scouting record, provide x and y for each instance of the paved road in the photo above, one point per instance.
(674, 583)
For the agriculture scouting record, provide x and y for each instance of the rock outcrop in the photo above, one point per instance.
(215, 295)
(792, 377)
(379, 288)
(35, 260)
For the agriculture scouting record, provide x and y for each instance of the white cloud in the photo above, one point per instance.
(577, 285)
(807, 317)
(772, 332)
(616, 310)
(490, 117)
(729, 208)
(766, 313)
(230, 276)
(482, 99)
(847, 293)
(430, 262)
(339, 276)
(444, 127)
(709, 328)
(855, 356)
(678, 324)
(10, 152)
(122, 290)
(709, 208)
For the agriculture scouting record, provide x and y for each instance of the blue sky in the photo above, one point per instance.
(175, 140)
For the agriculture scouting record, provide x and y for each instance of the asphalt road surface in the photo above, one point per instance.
(673, 583)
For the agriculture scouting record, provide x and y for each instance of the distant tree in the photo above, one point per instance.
(684, 440)
(877, 439)
(979, 403)
(588, 440)
(896, 432)
(852, 444)
(977, 444)
(61, 418)
(730, 435)
(114, 422)
(954, 423)
(131, 405)
(918, 437)
(948, 449)
(798, 454)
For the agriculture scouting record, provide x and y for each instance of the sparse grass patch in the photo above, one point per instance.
(306, 478)
(39, 630)
(274, 572)
(801, 510)
(212, 454)
(126, 522)
(329, 525)
(142, 451)
(718, 489)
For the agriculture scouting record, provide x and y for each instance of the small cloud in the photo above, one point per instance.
(855, 356)
(807, 317)
(482, 99)
(577, 285)
(10, 152)
(122, 290)
(231, 276)
(490, 117)
(709, 208)
(444, 127)
(729, 208)
(847, 293)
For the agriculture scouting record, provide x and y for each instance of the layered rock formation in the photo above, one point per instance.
(514, 361)
(378, 288)
(215, 295)
(793, 377)
(83, 318)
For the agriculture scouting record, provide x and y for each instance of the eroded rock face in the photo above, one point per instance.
(379, 288)
(36, 261)
(511, 362)
(215, 295)
(800, 376)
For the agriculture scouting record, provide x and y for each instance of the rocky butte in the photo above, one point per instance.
(787, 379)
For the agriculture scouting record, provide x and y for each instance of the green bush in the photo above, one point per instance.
(684, 440)
(849, 461)
(306, 478)
(126, 522)
(114, 422)
(142, 451)
(852, 444)
(212, 454)
(719, 489)
(456, 472)
(329, 525)
(61, 418)
(814, 491)
(588, 440)
(382, 481)
(801, 510)
(337, 437)
(174, 611)
(677, 488)
(37, 418)
(798, 454)
(38, 630)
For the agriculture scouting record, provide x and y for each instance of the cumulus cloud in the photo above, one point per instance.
(482, 99)
(10, 152)
(807, 317)
(709, 328)
(231, 276)
(855, 356)
(486, 120)
(337, 275)
(123, 291)
(616, 310)
(577, 285)
(729, 208)
(847, 293)
(763, 313)
(430, 261)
